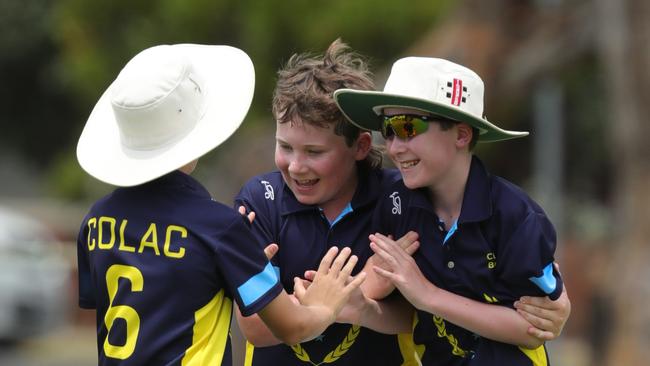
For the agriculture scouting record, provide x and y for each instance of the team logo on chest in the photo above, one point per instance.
(269, 194)
(397, 203)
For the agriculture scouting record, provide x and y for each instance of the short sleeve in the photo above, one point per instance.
(526, 258)
(249, 276)
(263, 227)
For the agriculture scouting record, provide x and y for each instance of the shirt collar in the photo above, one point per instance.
(367, 191)
(177, 178)
(477, 203)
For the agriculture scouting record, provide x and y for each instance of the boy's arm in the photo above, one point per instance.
(252, 327)
(547, 317)
(391, 315)
(320, 303)
(498, 323)
(377, 287)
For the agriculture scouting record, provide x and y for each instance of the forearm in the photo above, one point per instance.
(255, 330)
(375, 286)
(491, 321)
(392, 315)
(294, 323)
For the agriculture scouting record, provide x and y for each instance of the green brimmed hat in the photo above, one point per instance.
(433, 85)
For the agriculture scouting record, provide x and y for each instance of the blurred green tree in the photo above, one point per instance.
(91, 41)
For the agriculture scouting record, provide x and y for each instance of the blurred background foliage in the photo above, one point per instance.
(60, 56)
(575, 73)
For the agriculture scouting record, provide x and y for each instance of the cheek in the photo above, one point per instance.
(281, 161)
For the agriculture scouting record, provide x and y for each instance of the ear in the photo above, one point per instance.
(463, 135)
(363, 145)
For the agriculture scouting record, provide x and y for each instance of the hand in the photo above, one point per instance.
(401, 270)
(409, 242)
(378, 287)
(353, 309)
(250, 215)
(332, 285)
(547, 317)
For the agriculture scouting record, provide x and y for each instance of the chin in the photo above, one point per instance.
(412, 183)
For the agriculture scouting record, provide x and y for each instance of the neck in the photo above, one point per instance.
(448, 194)
(333, 208)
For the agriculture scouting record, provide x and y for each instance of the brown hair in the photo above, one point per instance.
(446, 124)
(305, 88)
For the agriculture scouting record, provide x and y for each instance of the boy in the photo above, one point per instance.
(158, 258)
(490, 242)
(324, 194)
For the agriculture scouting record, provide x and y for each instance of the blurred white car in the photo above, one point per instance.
(34, 277)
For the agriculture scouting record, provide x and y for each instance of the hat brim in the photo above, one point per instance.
(229, 79)
(362, 108)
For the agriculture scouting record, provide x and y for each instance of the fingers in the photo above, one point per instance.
(392, 252)
(356, 282)
(412, 248)
(271, 250)
(340, 260)
(384, 273)
(349, 266)
(408, 239)
(298, 288)
(326, 262)
(382, 253)
(250, 216)
(310, 275)
(540, 334)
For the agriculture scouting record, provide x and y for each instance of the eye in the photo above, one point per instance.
(284, 147)
(314, 152)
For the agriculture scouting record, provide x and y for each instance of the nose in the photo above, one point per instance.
(296, 165)
(395, 145)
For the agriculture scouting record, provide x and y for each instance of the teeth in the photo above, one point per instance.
(408, 164)
(305, 182)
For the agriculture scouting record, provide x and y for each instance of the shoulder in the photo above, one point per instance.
(508, 197)
(518, 214)
(262, 187)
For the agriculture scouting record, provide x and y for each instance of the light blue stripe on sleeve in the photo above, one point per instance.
(547, 282)
(258, 285)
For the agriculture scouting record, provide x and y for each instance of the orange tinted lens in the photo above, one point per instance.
(404, 126)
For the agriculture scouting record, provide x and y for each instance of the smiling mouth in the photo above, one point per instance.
(408, 164)
(305, 182)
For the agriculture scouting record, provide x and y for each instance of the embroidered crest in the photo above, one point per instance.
(397, 203)
(335, 354)
(269, 194)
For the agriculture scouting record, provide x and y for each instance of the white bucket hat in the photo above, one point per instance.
(168, 106)
(432, 85)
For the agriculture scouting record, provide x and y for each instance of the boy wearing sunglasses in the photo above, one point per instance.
(481, 236)
(325, 194)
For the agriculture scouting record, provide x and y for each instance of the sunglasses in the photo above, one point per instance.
(404, 126)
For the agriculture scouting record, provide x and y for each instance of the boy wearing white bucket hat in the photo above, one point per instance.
(158, 258)
(481, 236)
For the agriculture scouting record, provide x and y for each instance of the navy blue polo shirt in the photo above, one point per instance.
(161, 262)
(500, 248)
(304, 235)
